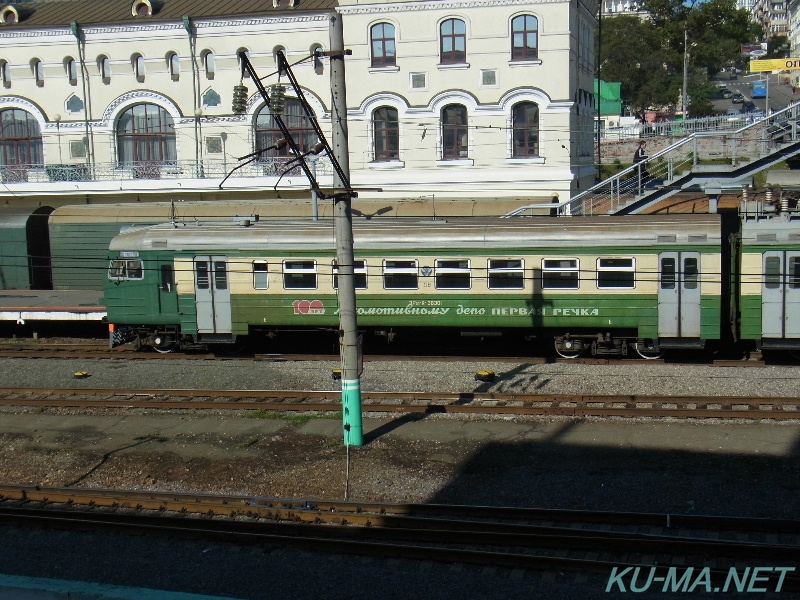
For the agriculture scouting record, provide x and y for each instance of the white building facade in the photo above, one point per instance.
(482, 99)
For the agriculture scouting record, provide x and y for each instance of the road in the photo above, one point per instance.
(780, 94)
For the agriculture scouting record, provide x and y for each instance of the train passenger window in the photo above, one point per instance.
(260, 278)
(772, 272)
(794, 272)
(506, 274)
(201, 272)
(615, 273)
(359, 274)
(125, 269)
(300, 274)
(690, 273)
(400, 275)
(560, 274)
(220, 275)
(453, 275)
(667, 273)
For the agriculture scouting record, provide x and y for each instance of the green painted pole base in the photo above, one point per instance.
(351, 412)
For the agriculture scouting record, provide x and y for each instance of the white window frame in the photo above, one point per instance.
(259, 274)
(444, 270)
(359, 268)
(616, 269)
(499, 270)
(390, 270)
(551, 268)
(309, 268)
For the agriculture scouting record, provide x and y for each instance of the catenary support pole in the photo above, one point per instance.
(343, 220)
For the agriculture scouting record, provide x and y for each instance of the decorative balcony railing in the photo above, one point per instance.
(189, 169)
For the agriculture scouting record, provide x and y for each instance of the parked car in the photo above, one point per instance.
(737, 98)
(747, 106)
(728, 94)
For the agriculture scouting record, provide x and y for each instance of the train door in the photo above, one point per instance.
(679, 295)
(212, 294)
(780, 294)
(167, 295)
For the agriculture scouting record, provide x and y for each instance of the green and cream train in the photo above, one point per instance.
(603, 285)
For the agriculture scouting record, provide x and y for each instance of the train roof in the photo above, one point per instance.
(777, 230)
(387, 234)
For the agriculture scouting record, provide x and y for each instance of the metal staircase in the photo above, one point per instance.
(711, 162)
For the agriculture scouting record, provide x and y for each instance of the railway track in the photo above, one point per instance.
(409, 402)
(603, 543)
(88, 351)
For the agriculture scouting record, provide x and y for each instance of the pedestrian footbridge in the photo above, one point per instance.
(711, 161)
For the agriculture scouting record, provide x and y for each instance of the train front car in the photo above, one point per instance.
(769, 301)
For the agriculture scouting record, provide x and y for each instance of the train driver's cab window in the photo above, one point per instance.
(125, 269)
(616, 273)
(300, 274)
(560, 274)
(400, 275)
(452, 274)
(506, 274)
(260, 275)
(359, 274)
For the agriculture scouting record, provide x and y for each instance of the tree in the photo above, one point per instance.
(647, 57)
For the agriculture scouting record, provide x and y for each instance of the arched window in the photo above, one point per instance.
(383, 48)
(454, 132)
(38, 72)
(139, 69)
(105, 68)
(174, 63)
(387, 134)
(296, 121)
(146, 139)
(525, 126)
(239, 61)
(524, 38)
(208, 65)
(453, 38)
(5, 73)
(71, 67)
(21, 141)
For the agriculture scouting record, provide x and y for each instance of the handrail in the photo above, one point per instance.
(671, 163)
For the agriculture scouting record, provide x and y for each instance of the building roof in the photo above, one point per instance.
(112, 12)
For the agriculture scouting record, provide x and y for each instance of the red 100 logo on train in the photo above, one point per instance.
(308, 307)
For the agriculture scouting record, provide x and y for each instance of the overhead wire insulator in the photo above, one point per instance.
(277, 99)
(239, 104)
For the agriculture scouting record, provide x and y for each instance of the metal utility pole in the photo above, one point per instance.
(343, 220)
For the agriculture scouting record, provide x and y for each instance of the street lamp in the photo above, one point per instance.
(686, 47)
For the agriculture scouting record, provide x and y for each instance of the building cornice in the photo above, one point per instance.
(451, 5)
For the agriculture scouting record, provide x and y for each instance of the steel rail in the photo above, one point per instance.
(412, 402)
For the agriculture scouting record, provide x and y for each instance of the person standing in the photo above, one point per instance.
(640, 156)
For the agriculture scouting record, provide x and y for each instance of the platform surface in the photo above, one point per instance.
(51, 305)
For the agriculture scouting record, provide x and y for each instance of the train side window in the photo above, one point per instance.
(201, 272)
(220, 275)
(400, 275)
(560, 274)
(690, 273)
(772, 272)
(260, 277)
(616, 273)
(300, 274)
(167, 280)
(667, 273)
(453, 274)
(359, 274)
(506, 274)
(125, 269)
(794, 272)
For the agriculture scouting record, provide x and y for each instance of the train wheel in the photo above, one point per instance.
(647, 350)
(568, 349)
(166, 348)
